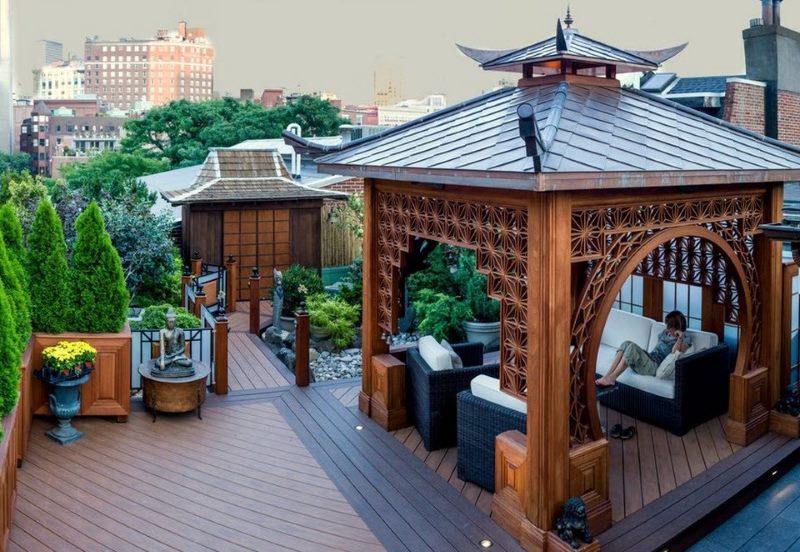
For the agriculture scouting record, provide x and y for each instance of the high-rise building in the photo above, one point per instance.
(49, 51)
(387, 84)
(61, 79)
(174, 65)
(6, 78)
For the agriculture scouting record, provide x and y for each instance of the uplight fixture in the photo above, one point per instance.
(774, 473)
(359, 427)
(486, 543)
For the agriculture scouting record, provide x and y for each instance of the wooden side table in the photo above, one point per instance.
(388, 392)
(174, 394)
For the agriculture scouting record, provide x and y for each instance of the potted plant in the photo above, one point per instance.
(484, 324)
(299, 283)
(331, 317)
(440, 315)
(66, 367)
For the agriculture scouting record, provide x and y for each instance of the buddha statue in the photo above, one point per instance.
(173, 362)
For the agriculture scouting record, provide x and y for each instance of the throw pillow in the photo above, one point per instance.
(455, 360)
(434, 355)
(666, 370)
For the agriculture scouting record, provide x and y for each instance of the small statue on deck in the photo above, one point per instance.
(172, 362)
(277, 298)
(572, 524)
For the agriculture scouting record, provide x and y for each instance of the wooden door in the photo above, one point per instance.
(306, 237)
(257, 237)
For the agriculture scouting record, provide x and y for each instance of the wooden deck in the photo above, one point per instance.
(281, 469)
(251, 365)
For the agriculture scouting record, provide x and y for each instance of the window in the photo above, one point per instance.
(631, 296)
(794, 354)
(686, 298)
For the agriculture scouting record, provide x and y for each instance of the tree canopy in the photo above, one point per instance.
(112, 173)
(14, 162)
(182, 131)
(24, 192)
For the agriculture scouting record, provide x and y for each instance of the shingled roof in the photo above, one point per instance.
(236, 175)
(585, 130)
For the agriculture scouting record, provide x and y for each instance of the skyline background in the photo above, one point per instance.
(337, 45)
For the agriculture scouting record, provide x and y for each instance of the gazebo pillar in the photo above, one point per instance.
(372, 344)
(548, 372)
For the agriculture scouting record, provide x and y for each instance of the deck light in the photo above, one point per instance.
(486, 543)
(774, 473)
(359, 427)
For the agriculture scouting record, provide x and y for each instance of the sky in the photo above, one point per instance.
(337, 45)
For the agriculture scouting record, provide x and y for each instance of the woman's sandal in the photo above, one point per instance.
(627, 433)
(616, 431)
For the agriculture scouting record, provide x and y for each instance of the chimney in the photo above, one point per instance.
(182, 29)
(766, 12)
(776, 12)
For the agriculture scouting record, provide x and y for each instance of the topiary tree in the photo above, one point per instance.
(11, 230)
(9, 357)
(47, 272)
(98, 293)
(10, 277)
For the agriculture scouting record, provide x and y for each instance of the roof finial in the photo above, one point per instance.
(568, 21)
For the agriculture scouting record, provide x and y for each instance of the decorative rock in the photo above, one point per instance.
(313, 355)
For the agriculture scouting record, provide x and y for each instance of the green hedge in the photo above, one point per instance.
(97, 284)
(17, 297)
(153, 318)
(47, 272)
(9, 357)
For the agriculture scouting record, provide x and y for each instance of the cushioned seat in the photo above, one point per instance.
(698, 391)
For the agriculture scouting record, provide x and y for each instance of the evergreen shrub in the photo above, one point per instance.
(47, 272)
(9, 357)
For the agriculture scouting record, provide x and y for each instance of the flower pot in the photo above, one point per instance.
(287, 323)
(65, 403)
(319, 332)
(487, 333)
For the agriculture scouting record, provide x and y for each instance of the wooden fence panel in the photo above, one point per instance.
(340, 246)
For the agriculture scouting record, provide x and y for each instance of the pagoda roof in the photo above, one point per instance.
(568, 44)
(239, 175)
(591, 137)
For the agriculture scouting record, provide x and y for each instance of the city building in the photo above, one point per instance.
(765, 99)
(272, 97)
(49, 51)
(408, 110)
(387, 84)
(174, 65)
(58, 132)
(246, 94)
(60, 79)
(6, 78)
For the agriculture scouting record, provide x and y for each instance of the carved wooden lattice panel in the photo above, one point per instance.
(500, 237)
(608, 237)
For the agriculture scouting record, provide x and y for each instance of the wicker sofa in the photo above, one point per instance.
(698, 392)
(431, 394)
(480, 421)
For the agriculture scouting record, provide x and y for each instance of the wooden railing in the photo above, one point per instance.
(16, 430)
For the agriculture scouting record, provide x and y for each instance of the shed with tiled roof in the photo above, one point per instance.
(246, 204)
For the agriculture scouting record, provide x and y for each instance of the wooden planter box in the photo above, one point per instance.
(784, 424)
(107, 393)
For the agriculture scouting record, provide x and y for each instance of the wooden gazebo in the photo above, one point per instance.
(565, 185)
(246, 204)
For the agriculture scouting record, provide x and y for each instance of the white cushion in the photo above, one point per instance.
(488, 388)
(455, 360)
(661, 387)
(624, 326)
(436, 356)
(666, 370)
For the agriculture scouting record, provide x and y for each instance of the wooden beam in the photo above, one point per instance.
(713, 314)
(255, 302)
(653, 298)
(372, 344)
(769, 255)
(221, 355)
(301, 365)
(548, 374)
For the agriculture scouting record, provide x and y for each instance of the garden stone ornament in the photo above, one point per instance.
(277, 297)
(572, 524)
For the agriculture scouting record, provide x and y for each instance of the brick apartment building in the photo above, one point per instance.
(132, 73)
(766, 99)
(66, 131)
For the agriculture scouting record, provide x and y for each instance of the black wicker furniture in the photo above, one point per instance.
(431, 394)
(479, 422)
(701, 393)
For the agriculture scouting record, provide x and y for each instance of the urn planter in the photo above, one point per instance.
(487, 333)
(65, 403)
(319, 332)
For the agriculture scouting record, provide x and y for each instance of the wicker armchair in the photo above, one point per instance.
(431, 395)
(479, 422)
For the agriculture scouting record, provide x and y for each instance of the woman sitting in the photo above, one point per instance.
(630, 355)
